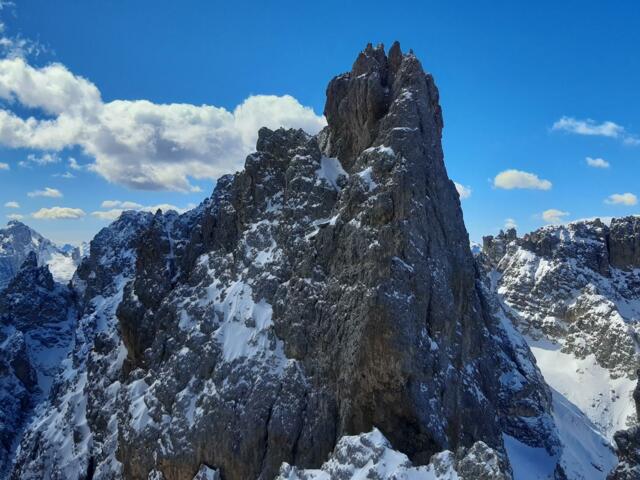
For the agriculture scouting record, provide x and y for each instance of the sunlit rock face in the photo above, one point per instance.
(17, 241)
(325, 291)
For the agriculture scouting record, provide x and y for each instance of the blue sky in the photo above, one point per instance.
(507, 72)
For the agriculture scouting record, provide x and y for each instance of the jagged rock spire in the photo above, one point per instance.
(358, 101)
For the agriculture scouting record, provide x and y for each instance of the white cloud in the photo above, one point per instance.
(165, 207)
(591, 128)
(4, 166)
(621, 199)
(67, 175)
(12, 205)
(116, 207)
(553, 215)
(138, 144)
(463, 191)
(47, 192)
(15, 216)
(58, 213)
(42, 159)
(510, 223)
(121, 204)
(510, 179)
(110, 215)
(73, 164)
(597, 162)
(16, 46)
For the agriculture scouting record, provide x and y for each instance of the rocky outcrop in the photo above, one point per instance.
(370, 455)
(494, 248)
(325, 290)
(624, 242)
(36, 322)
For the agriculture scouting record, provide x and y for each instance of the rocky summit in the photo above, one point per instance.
(320, 316)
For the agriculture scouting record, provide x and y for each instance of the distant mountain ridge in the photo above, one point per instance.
(574, 292)
(17, 240)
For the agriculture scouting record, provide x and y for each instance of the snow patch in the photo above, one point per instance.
(330, 170)
(366, 176)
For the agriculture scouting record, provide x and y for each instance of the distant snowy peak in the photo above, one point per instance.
(574, 291)
(17, 240)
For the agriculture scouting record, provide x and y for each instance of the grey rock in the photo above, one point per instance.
(572, 286)
(309, 299)
(370, 455)
(624, 242)
(628, 447)
(36, 325)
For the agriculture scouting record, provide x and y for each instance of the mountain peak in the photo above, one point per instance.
(384, 99)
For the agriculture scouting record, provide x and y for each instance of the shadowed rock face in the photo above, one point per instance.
(36, 321)
(624, 242)
(325, 290)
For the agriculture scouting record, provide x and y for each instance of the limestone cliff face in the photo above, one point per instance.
(326, 290)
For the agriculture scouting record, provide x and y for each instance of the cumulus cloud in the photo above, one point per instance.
(12, 205)
(510, 223)
(553, 215)
(463, 191)
(138, 143)
(109, 215)
(597, 162)
(116, 207)
(58, 213)
(120, 204)
(628, 199)
(47, 192)
(511, 179)
(15, 216)
(592, 128)
(4, 166)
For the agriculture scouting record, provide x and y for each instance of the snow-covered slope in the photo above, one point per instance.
(574, 292)
(17, 240)
(59, 443)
